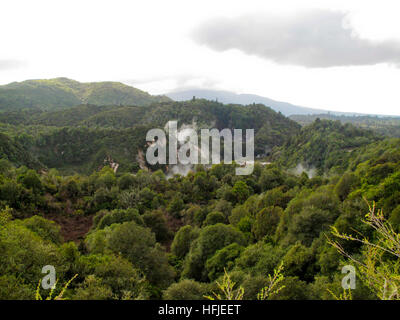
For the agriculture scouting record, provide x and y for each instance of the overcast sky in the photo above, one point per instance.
(334, 55)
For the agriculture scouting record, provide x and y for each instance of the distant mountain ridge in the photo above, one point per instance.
(285, 108)
(61, 93)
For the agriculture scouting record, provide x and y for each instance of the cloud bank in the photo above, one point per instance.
(315, 39)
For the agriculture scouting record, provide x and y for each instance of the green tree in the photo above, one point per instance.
(214, 217)
(241, 191)
(156, 221)
(186, 290)
(211, 239)
(183, 240)
(266, 222)
(222, 260)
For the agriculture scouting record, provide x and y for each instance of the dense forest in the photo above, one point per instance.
(75, 193)
(387, 126)
(118, 133)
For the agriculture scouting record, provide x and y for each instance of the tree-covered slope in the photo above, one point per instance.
(324, 145)
(16, 153)
(61, 93)
(86, 150)
(149, 237)
(388, 126)
(88, 134)
(82, 137)
(141, 234)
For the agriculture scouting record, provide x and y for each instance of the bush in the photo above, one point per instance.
(156, 221)
(46, 229)
(186, 290)
(93, 289)
(21, 247)
(294, 289)
(223, 259)
(182, 241)
(214, 218)
(12, 288)
(116, 273)
(118, 216)
(211, 239)
(138, 245)
(260, 259)
(241, 191)
(266, 222)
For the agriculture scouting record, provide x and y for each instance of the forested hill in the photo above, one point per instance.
(385, 125)
(324, 145)
(74, 194)
(61, 93)
(201, 111)
(82, 137)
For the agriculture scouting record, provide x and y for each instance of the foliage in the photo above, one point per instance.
(227, 290)
(379, 266)
(185, 290)
(273, 286)
(388, 126)
(77, 193)
(59, 296)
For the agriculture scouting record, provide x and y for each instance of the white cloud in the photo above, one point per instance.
(148, 44)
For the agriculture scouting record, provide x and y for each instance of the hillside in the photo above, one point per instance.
(81, 138)
(14, 152)
(61, 93)
(229, 97)
(324, 145)
(388, 126)
(91, 209)
(143, 236)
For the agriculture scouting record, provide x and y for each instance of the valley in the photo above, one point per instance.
(77, 193)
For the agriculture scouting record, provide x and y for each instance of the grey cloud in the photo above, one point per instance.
(317, 38)
(11, 64)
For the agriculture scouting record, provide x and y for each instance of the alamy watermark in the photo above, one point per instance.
(349, 280)
(49, 280)
(183, 147)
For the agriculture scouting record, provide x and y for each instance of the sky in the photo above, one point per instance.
(334, 55)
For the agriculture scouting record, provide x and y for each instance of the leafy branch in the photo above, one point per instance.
(379, 268)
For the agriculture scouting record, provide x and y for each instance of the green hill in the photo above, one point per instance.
(87, 209)
(61, 93)
(324, 145)
(388, 126)
(82, 137)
